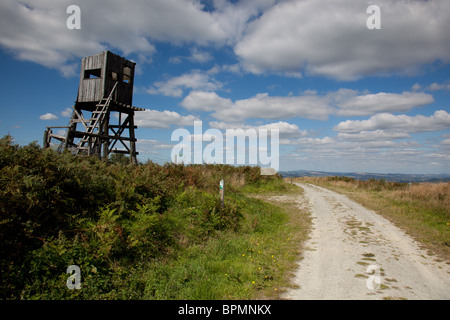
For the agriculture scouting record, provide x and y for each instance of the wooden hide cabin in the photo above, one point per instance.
(106, 87)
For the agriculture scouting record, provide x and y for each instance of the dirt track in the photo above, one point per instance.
(354, 253)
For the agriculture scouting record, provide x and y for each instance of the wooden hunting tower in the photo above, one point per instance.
(106, 89)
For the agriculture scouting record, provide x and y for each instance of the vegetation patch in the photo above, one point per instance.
(147, 231)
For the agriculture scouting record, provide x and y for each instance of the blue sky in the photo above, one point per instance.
(344, 98)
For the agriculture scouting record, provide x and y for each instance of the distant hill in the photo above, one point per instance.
(395, 177)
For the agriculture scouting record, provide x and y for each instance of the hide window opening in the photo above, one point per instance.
(126, 74)
(93, 73)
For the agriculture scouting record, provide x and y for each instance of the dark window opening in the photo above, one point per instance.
(126, 75)
(93, 74)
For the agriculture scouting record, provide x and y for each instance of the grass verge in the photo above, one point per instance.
(254, 263)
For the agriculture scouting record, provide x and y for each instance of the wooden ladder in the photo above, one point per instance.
(97, 120)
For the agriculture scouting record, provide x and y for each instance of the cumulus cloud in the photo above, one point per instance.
(334, 154)
(162, 119)
(440, 120)
(233, 17)
(261, 106)
(67, 112)
(432, 87)
(438, 86)
(205, 101)
(383, 138)
(320, 37)
(48, 116)
(286, 130)
(317, 141)
(36, 30)
(309, 104)
(376, 135)
(197, 55)
(175, 86)
(369, 104)
(330, 38)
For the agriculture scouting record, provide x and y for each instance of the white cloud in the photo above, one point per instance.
(330, 38)
(26, 28)
(36, 30)
(320, 37)
(416, 87)
(194, 80)
(205, 101)
(432, 87)
(197, 55)
(67, 112)
(162, 119)
(369, 104)
(372, 136)
(438, 86)
(309, 104)
(233, 18)
(317, 141)
(48, 116)
(440, 120)
(333, 154)
(262, 106)
(383, 143)
(286, 130)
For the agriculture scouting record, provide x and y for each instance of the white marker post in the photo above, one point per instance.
(222, 191)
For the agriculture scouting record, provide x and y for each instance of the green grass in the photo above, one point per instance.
(253, 263)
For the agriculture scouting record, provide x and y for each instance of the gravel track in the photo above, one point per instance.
(354, 253)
